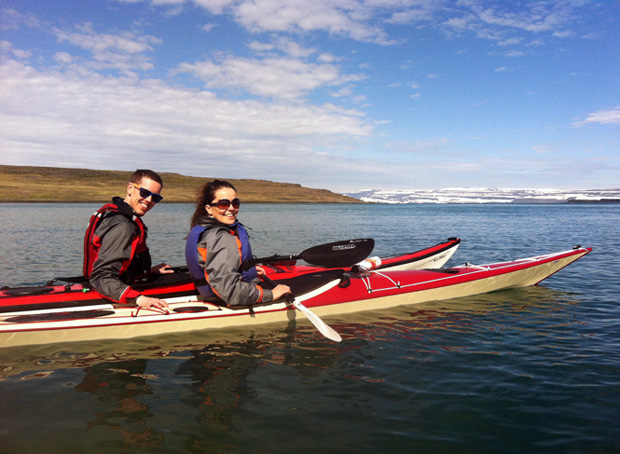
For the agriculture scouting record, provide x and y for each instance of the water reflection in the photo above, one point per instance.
(518, 309)
(217, 382)
(534, 310)
(119, 387)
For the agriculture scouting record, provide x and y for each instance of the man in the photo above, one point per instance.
(115, 250)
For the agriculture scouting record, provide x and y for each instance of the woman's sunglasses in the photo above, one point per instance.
(225, 203)
(145, 194)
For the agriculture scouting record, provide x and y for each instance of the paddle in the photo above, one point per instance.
(331, 255)
(323, 327)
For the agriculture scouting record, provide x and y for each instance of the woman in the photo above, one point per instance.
(218, 245)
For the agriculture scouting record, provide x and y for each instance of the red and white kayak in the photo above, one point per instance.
(329, 292)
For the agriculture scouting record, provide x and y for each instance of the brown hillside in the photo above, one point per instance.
(51, 184)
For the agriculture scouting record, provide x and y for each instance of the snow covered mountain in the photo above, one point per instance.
(486, 195)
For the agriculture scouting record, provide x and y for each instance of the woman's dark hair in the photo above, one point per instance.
(139, 174)
(205, 195)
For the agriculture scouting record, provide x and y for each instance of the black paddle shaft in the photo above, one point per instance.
(330, 255)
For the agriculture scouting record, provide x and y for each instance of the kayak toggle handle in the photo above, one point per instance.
(164, 311)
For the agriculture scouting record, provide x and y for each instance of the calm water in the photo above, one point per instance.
(528, 370)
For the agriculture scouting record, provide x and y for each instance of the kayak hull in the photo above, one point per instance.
(351, 292)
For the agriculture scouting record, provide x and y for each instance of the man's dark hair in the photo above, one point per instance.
(137, 176)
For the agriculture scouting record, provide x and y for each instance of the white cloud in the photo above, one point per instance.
(418, 12)
(352, 18)
(293, 48)
(328, 58)
(124, 51)
(283, 78)
(538, 17)
(63, 57)
(500, 21)
(87, 120)
(6, 48)
(602, 117)
(541, 149)
(365, 20)
(208, 27)
(257, 46)
(284, 45)
(215, 6)
(88, 39)
(12, 19)
(510, 41)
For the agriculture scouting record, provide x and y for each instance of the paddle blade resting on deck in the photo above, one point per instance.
(339, 254)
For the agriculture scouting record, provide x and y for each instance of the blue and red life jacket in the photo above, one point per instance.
(198, 273)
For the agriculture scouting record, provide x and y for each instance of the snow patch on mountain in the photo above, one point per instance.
(486, 195)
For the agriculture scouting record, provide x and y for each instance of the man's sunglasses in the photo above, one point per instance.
(225, 203)
(145, 194)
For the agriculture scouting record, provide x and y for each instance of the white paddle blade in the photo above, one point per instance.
(323, 328)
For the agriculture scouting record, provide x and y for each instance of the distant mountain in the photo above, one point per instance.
(487, 195)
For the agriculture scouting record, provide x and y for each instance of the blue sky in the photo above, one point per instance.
(337, 94)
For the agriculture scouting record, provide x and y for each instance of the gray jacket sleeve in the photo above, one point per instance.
(116, 239)
(221, 270)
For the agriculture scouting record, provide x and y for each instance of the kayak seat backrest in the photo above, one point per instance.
(311, 281)
(163, 280)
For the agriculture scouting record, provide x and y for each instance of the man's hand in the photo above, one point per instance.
(148, 302)
(162, 268)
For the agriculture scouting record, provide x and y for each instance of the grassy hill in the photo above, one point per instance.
(51, 184)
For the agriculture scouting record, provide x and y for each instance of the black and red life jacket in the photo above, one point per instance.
(140, 260)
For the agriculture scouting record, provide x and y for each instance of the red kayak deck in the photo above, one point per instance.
(73, 293)
(518, 273)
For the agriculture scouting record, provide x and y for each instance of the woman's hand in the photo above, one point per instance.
(280, 290)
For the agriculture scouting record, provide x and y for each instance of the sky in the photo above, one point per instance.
(338, 94)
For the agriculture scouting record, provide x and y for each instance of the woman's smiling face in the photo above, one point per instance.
(227, 216)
